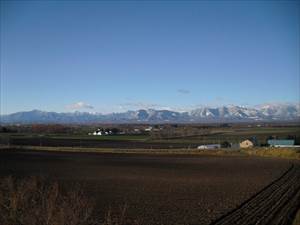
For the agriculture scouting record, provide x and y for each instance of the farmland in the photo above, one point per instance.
(156, 189)
(165, 179)
(167, 137)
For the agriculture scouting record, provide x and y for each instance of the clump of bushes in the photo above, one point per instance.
(36, 201)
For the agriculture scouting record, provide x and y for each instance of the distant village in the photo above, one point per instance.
(116, 131)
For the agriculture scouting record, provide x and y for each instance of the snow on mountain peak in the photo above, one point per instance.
(267, 112)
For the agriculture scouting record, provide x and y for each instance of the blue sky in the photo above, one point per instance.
(114, 56)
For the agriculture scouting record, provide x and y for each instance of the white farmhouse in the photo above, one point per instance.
(98, 132)
(148, 128)
(211, 146)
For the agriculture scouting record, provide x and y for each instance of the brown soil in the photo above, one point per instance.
(125, 144)
(158, 189)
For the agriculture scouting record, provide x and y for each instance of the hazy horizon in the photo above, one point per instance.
(116, 56)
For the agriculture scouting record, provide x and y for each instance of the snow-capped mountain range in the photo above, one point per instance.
(266, 112)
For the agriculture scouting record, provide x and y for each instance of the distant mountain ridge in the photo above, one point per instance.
(267, 112)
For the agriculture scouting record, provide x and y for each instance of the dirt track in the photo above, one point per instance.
(160, 189)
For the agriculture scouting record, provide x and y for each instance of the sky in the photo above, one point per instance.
(113, 56)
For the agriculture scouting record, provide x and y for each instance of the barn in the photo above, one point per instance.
(246, 144)
(281, 143)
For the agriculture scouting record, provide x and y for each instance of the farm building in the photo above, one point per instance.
(246, 144)
(101, 131)
(98, 132)
(148, 128)
(211, 146)
(281, 143)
